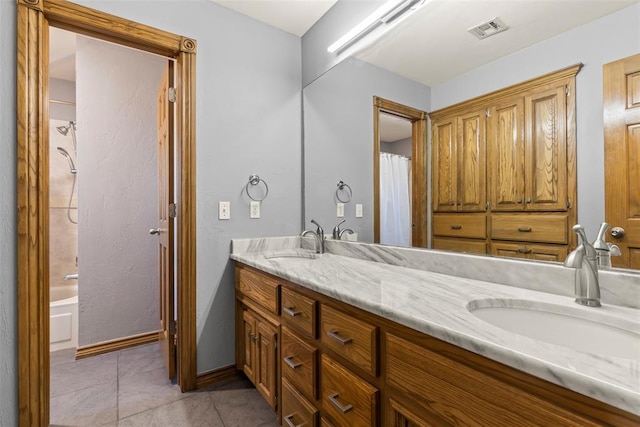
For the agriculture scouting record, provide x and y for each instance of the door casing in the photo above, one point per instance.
(34, 17)
(418, 121)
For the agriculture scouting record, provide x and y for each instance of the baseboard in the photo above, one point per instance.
(115, 345)
(217, 376)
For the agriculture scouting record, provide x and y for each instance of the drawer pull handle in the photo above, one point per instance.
(291, 363)
(524, 250)
(334, 334)
(290, 423)
(333, 399)
(291, 312)
(456, 227)
(524, 229)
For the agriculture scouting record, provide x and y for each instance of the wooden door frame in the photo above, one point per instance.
(34, 17)
(418, 120)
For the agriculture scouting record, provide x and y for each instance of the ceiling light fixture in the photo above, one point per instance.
(386, 14)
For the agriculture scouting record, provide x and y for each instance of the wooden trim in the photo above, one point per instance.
(496, 96)
(418, 120)
(116, 344)
(217, 376)
(32, 93)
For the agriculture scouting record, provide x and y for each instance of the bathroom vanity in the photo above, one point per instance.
(366, 335)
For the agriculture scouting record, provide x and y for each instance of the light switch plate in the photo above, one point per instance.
(224, 210)
(358, 210)
(340, 210)
(254, 210)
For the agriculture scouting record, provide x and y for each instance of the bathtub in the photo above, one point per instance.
(63, 323)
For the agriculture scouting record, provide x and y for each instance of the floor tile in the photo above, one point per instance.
(146, 390)
(139, 359)
(242, 407)
(95, 405)
(80, 374)
(197, 409)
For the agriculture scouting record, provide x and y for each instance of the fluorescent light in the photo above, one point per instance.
(389, 12)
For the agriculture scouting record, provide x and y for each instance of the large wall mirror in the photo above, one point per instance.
(430, 62)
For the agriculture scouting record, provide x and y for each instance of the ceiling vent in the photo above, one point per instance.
(488, 28)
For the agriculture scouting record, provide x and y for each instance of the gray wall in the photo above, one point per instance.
(607, 39)
(248, 121)
(338, 138)
(117, 190)
(338, 20)
(402, 147)
(8, 233)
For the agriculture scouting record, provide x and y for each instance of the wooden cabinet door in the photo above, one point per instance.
(248, 344)
(505, 141)
(471, 162)
(548, 253)
(510, 250)
(444, 174)
(266, 361)
(400, 415)
(546, 148)
(622, 156)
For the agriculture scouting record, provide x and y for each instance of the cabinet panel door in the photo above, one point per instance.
(444, 165)
(248, 333)
(471, 162)
(546, 149)
(510, 250)
(266, 361)
(548, 252)
(505, 140)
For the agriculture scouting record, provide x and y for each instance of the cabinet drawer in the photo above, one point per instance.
(460, 225)
(352, 339)
(530, 228)
(261, 288)
(346, 398)
(299, 364)
(299, 312)
(460, 245)
(296, 410)
(455, 394)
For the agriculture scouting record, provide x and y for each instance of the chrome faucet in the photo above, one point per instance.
(318, 235)
(604, 250)
(584, 260)
(337, 233)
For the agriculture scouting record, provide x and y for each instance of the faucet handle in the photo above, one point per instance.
(614, 250)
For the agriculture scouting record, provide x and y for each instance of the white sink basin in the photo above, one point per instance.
(291, 253)
(590, 331)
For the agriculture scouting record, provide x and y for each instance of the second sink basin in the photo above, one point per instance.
(590, 332)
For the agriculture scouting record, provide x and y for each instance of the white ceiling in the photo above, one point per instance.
(393, 128)
(292, 16)
(430, 47)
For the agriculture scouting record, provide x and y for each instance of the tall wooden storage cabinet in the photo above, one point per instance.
(504, 171)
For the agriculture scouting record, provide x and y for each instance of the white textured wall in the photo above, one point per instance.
(117, 190)
(338, 138)
(607, 39)
(248, 116)
(8, 245)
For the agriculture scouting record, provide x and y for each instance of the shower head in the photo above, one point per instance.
(66, 154)
(63, 130)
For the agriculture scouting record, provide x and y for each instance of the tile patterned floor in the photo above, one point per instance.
(130, 388)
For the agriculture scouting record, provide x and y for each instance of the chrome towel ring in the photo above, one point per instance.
(343, 188)
(253, 181)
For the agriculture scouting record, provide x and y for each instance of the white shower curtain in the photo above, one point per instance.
(395, 201)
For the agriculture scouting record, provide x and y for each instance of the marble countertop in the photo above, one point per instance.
(436, 304)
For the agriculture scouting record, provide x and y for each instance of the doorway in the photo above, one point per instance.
(385, 111)
(34, 19)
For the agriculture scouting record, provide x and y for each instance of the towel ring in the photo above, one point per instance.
(341, 187)
(255, 180)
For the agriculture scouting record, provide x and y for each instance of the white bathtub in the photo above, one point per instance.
(63, 323)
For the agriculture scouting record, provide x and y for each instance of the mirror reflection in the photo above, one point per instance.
(339, 121)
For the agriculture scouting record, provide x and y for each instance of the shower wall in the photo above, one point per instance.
(63, 235)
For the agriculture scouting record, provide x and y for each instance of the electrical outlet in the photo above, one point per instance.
(358, 210)
(340, 210)
(224, 210)
(255, 210)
